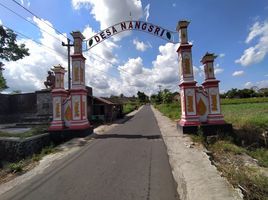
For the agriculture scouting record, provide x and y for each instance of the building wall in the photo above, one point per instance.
(4, 104)
(14, 107)
(44, 102)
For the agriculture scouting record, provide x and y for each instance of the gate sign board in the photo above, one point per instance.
(128, 26)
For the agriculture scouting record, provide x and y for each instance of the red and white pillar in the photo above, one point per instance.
(187, 84)
(58, 96)
(78, 91)
(211, 86)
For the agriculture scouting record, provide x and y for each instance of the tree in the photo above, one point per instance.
(263, 92)
(143, 98)
(9, 51)
(243, 93)
(167, 96)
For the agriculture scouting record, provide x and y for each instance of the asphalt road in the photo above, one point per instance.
(128, 162)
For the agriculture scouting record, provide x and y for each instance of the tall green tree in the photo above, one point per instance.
(9, 51)
(166, 96)
(143, 98)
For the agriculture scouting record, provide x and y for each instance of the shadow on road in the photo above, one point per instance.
(118, 121)
(128, 136)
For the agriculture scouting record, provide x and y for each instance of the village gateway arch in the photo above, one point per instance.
(200, 105)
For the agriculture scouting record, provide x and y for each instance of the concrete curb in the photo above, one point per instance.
(196, 177)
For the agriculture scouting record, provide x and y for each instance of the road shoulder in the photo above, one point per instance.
(196, 177)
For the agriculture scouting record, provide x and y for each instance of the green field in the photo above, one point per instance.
(249, 118)
(251, 114)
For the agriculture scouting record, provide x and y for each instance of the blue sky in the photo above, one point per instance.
(237, 31)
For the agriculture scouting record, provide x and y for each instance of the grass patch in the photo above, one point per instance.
(253, 184)
(45, 151)
(261, 155)
(222, 146)
(16, 167)
(248, 116)
(244, 100)
(172, 110)
(199, 137)
(129, 107)
(228, 159)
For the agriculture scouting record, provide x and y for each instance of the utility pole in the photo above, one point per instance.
(68, 45)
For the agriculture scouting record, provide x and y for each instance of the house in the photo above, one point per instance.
(105, 110)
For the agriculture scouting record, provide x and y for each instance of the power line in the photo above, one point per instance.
(28, 20)
(39, 18)
(39, 43)
(126, 72)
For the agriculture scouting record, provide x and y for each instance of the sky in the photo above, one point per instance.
(132, 61)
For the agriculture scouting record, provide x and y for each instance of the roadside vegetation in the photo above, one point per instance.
(242, 158)
(8, 170)
(130, 106)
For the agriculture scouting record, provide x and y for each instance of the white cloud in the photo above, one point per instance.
(266, 75)
(221, 55)
(141, 46)
(1, 22)
(196, 71)
(248, 84)
(238, 73)
(133, 66)
(165, 67)
(147, 12)
(26, 3)
(29, 73)
(218, 69)
(258, 84)
(262, 84)
(134, 76)
(256, 30)
(255, 54)
(48, 39)
(108, 12)
(174, 5)
(105, 49)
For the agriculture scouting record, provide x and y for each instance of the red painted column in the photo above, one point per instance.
(78, 91)
(58, 96)
(211, 86)
(187, 84)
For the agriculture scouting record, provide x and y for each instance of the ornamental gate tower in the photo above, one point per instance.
(200, 105)
(70, 107)
(187, 84)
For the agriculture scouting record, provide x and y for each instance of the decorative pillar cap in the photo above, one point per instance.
(208, 57)
(77, 34)
(58, 68)
(182, 24)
